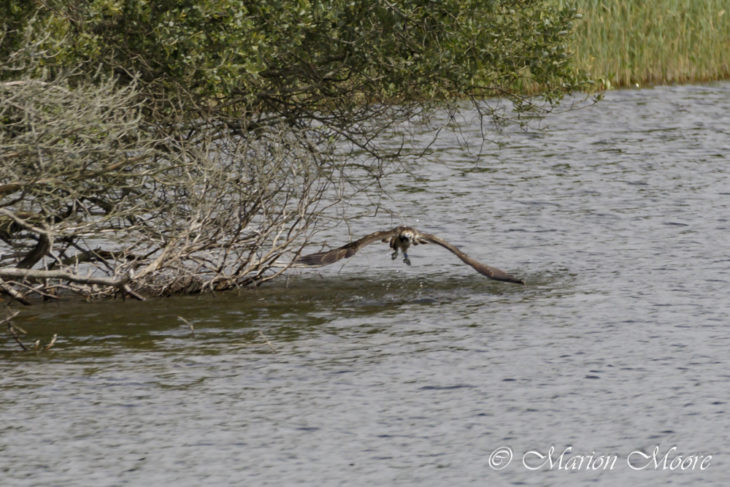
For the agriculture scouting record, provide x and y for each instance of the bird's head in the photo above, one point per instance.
(406, 235)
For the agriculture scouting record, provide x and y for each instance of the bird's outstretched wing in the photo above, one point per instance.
(490, 272)
(332, 256)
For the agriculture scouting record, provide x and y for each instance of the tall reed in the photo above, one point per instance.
(628, 42)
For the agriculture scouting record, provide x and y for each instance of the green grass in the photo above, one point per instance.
(629, 42)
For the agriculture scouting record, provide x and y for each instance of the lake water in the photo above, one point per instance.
(615, 353)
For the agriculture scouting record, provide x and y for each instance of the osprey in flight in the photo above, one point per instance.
(400, 238)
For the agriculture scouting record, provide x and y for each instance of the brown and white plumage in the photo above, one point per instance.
(400, 238)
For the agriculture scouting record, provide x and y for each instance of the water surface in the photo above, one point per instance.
(376, 373)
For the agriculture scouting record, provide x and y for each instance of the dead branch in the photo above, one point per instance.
(14, 272)
(14, 330)
(51, 343)
(190, 325)
(13, 293)
(98, 203)
(13, 333)
(267, 341)
(7, 319)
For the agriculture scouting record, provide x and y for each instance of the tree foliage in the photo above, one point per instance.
(315, 59)
(179, 146)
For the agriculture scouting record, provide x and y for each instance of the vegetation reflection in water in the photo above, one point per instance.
(279, 311)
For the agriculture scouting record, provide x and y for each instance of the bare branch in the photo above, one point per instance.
(7, 319)
(18, 273)
(51, 343)
(14, 330)
(13, 293)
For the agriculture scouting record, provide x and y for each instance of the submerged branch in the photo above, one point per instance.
(13, 293)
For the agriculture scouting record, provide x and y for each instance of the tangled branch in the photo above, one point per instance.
(96, 202)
